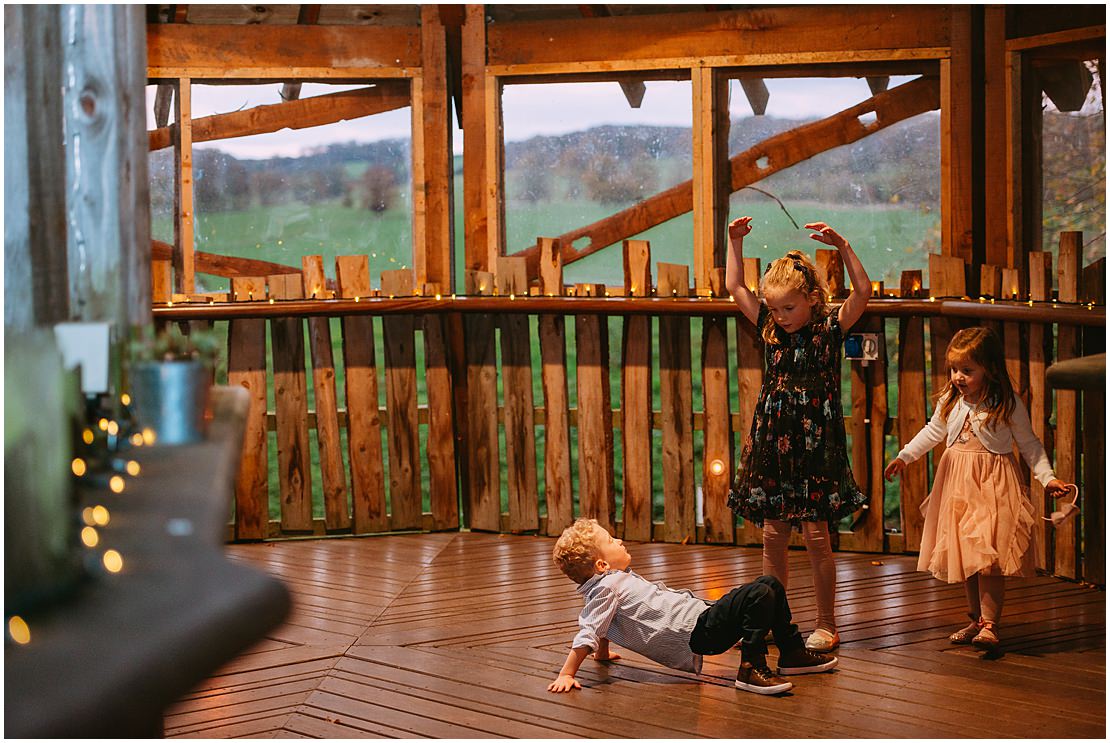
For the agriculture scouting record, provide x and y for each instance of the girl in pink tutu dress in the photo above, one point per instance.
(978, 517)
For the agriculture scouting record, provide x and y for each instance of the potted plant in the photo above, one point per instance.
(170, 380)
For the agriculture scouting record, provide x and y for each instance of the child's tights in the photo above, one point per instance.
(984, 596)
(776, 537)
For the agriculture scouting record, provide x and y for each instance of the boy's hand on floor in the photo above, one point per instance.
(605, 656)
(564, 683)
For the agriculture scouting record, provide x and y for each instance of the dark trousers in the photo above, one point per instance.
(744, 615)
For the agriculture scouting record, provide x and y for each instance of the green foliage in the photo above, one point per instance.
(173, 345)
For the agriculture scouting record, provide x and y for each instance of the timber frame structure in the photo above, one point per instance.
(983, 67)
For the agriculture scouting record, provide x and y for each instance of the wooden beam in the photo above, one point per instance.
(388, 95)
(878, 84)
(222, 265)
(219, 51)
(1065, 83)
(996, 182)
(710, 183)
(780, 151)
(433, 172)
(475, 196)
(183, 260)
(1055, 38)
(757, 94)
(732, 36)
(163, 101)
(955, 140)
(307, 15)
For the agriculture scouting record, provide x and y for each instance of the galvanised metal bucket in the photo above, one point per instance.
(171, 397)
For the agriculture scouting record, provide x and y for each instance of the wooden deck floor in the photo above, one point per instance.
(458, 635)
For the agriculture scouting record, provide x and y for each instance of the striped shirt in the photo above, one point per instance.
(647, 618)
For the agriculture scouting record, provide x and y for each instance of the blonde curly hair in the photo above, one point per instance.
(576, 551)
(795, 271)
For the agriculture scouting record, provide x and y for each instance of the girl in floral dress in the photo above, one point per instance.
(794, 467)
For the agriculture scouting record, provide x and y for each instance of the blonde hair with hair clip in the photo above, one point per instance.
(794, 271)
(576, 551)
(982, 346)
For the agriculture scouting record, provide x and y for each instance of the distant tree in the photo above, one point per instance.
(268, 187)
(378, 188)
(610, 180)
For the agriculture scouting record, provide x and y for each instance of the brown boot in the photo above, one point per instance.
(759, 679)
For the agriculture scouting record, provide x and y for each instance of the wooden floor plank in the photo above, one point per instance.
(458, 635)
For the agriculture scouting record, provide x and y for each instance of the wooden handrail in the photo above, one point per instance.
(1069, 314)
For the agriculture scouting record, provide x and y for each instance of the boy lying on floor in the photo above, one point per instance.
(671, 627)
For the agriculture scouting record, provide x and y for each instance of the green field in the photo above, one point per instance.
(888, 240)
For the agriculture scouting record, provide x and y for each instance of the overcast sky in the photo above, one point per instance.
(529, 110)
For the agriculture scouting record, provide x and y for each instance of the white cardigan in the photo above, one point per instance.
(999, 440)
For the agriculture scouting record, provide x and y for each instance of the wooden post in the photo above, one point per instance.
(433, 233)
(553, 356)
(337, 513)
(495, 173)
(955, 139)
(675, 398)
(831, 265)
(516, 380)
(183, 237)
(1066, 552)
(717, 449)
(749, 381)
(911, 412)
(636, 432)
(483, 459)
(1040, 398)
(711, 174)
(246, 366)
(440, 445)
(475, 194)
(596, 490)
(291, 406)
(360, 374)
(399, 341)
(106, 174)
(36, 277)
(999, 248)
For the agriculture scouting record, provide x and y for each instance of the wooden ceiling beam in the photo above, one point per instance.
(633, 90)
(878, 84)
(757, 94)
(299, 114)
(770, 156)
(452, 17)
(1065, 83)
(776, 30)
(308, 15)
(220, 51)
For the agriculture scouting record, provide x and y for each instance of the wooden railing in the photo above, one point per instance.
(463, 417)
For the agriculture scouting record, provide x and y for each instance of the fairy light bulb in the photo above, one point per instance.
(78, 466)
(149, 437)
(101, 516)
(116, 484)
(136, 439)
(716, 467)
(125, 398)
(113, 428)
(87, 436)
(133, 468)
(113, 561)
(18, 630)
(102, 424)
(89, 537)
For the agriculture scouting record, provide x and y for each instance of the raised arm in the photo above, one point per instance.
(856, 302)
(734, 269)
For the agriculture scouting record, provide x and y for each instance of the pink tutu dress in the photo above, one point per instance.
(978, 517)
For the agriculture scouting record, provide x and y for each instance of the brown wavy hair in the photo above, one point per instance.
(982, 346)
(793, 271)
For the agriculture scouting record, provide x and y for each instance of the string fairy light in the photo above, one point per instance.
(18, 630)
(113, 561)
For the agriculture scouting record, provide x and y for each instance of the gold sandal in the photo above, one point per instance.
(965, 635)
(987, 639)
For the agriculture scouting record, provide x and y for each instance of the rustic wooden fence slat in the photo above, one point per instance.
(440, 443)
(483, 459)
(516, 375)
(872, 532)
(553, 356)
(636, 433)
(337, 513)
(749, 378)
(911, 412)
(291, 407)
(676, 403)
(364, 433)
(399, 336)
(246, 367)
(596, 489)
(717, 449)
(1040, 397)
(1070, 255)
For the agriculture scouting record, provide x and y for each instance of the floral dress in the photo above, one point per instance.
(794, 466)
